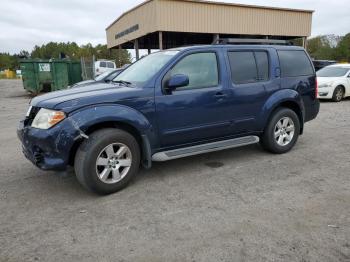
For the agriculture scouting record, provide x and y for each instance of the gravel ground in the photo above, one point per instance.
(236, 205)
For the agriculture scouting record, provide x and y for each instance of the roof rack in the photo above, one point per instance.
(238, 41)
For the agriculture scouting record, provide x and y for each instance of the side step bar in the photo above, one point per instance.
(205, 148)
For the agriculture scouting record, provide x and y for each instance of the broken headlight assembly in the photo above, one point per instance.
(46, 118)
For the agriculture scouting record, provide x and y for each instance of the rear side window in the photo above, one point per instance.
(103, 64)
(249, 66)
(110, 65)
(295, 63)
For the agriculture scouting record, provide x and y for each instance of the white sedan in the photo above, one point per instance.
(334, 82)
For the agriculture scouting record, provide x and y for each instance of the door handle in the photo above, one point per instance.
(220, 95)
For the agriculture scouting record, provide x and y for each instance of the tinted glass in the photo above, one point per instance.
(295, 63)
(103, 64)
(262, 62)
(110, 65)
(243, 67)
(201, 69)
(145, 68)
(332, 72)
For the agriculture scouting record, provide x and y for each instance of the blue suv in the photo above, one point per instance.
(172, 104)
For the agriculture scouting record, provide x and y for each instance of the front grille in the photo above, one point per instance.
(38, 157)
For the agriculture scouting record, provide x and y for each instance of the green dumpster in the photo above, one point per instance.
(49, 75)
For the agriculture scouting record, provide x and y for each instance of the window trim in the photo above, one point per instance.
(164, 78)
(256, 65)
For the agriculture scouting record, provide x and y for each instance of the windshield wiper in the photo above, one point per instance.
(125, 83)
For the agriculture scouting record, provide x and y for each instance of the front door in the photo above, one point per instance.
(198, 111)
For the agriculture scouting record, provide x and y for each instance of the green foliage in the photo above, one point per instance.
(73, 51)
(342, 51)
(8, 61)
(330, 47)
(70, 50)
(320, 48)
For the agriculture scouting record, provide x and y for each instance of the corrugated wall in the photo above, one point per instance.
(202, 17)
(144, 16)
(214, 18)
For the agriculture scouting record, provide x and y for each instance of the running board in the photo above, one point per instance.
(205, 148)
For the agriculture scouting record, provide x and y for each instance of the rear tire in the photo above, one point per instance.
(338, 94)
(282, 131)
(107, 161)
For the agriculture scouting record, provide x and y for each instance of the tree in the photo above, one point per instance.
(342, 51)
(320, 48)
(8, 61)
(73, 51)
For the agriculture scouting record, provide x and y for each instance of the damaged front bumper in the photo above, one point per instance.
(49, 149)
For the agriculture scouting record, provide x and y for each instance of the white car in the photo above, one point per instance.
(334, 82)
(103, 66)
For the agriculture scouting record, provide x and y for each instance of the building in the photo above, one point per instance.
(163, 24)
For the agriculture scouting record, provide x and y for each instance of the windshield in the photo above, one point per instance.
(144, 69)
(102, 76)
(113, 75)
(332, 72)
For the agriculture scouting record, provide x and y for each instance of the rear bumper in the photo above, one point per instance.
(48, 149)
(311, 111)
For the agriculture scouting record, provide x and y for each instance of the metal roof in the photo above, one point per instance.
(216, 3)
(204, 17)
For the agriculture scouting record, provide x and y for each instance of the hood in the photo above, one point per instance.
(83, 83)
(324, 80)
(71, 99)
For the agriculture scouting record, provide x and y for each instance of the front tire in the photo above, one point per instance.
(338, 94)
(107, 161)
(282, 131)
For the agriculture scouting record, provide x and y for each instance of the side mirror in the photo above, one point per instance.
(177, 81)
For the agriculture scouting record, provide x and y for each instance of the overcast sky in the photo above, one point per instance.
(25, 23)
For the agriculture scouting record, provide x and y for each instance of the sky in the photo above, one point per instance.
(26, 23)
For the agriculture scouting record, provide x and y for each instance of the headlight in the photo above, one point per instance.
(47, 118)
(326, 85)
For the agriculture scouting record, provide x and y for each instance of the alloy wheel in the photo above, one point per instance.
(284, 131)
(113, 163)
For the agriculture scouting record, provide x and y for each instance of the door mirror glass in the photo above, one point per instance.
(176, 81)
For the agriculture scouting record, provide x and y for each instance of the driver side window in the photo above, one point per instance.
(201, 69)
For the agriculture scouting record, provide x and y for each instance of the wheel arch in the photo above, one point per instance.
(342, 86)
(90, 120)
(285, 99)
(102, 125)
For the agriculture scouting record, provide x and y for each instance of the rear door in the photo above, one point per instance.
(251, 83)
